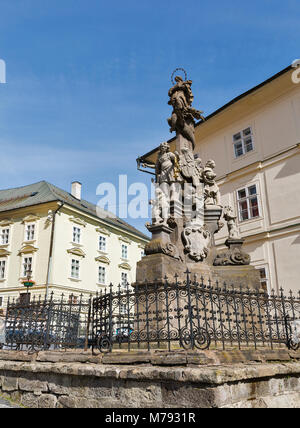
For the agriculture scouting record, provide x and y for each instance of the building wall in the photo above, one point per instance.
(19, 248)
(64, 250)
(272, 239)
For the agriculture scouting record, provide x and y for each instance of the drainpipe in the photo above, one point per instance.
(51, 248)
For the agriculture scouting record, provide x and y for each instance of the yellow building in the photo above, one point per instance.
(59, 238)
(255, 141)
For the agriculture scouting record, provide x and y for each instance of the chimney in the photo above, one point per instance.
(76, 190)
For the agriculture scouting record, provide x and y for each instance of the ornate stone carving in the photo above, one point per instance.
(160, 242)
(234, 255)
(196, 241)
(160, 208)
(190, 167)
(157, 246)
(183, 115)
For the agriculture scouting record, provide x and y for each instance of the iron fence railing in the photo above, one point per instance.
(43, 324)
(168, 315)
(193, 315)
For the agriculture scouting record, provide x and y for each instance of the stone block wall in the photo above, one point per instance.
(59, 380)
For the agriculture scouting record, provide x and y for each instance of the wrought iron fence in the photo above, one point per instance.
(168, 315)
(43, 324)
(193, 315)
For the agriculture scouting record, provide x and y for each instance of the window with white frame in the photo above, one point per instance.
(2, 269)
(27, 266)
(124, 251)
(102, 243)
(76, 235)
(248, 205)
(4, 236)
(124, 279)
(30, 232)
(102, 275)
(243, 142)
(75, 266)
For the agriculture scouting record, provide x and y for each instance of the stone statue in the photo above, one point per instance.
(166, 165)
(230, 218)
(183, 115)
(190, 167)
(212, 194)
(160, 208)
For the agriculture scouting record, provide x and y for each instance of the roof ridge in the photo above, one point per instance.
(22, 187)
(44, 191)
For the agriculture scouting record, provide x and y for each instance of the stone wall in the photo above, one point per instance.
(152, 379)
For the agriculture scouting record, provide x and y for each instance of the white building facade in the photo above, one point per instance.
(61, 242)
(255, 142)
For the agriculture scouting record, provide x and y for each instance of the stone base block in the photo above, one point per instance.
(155, 267)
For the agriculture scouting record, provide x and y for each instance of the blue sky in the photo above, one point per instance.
(87, 80)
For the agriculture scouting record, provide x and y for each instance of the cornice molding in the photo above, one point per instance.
(125, 239)
(4, 252)
(30, 218)
(76, 251)
(27, 249)
(103, 259)
(78, 220)
(103, 231)
(6, 222)
(125, 266)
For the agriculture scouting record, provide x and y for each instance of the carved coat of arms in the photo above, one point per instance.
(196, 241)
(187, 163)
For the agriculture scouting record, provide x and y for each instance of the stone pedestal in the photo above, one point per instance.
(161, 242)
(167, 255)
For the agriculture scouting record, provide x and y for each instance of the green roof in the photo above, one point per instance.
(43, 192)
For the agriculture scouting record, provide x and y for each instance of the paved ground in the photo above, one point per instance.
(4, 404)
